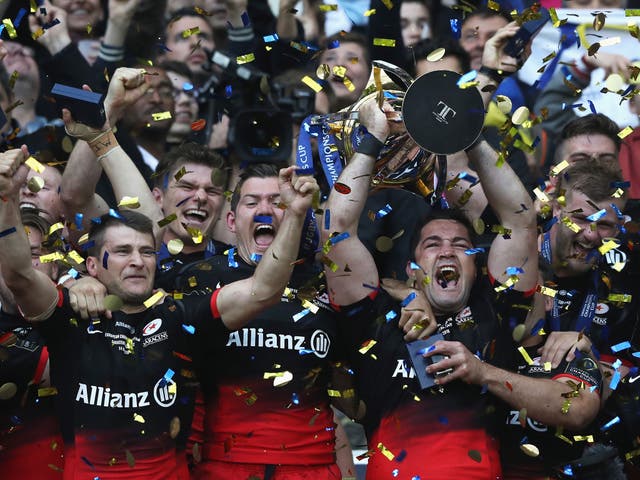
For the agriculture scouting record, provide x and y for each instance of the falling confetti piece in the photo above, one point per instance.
(342, 188)
(475, 455)
(311, 83)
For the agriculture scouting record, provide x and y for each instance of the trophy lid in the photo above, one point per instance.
(440, 116)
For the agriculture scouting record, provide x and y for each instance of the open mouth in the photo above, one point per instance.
(195, 215)
(447, 276)
(28, 205)
(263, 235)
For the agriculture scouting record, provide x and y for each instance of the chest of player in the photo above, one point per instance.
(129, 365)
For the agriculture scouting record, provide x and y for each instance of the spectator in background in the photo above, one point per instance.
(348, 66)
(415, 21)
(189, 39)
(186, 105)
(455, 58)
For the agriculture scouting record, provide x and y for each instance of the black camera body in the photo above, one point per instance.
(262, 112)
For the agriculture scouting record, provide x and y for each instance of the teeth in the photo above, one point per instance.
(264, 229)
(198, 213)
(27, 205)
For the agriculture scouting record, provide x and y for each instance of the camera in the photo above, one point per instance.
(262, 112)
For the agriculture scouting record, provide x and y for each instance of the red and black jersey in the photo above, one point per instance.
(266, 389)
(438, 433)
(30, 440)
(124, 385)
(556, 447)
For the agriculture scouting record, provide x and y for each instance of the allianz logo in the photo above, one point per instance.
(164, 394)
(319, 343)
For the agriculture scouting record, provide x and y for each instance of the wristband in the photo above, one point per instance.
(495, 75)
(369, 145)
(103, 143)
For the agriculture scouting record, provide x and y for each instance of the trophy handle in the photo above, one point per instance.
(441, 172)
(402, 75)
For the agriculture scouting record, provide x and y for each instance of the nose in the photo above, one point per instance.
(266, 207)
(592, 235)
(200, 196)
(135, 259)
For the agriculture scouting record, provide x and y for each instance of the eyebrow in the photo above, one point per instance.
(439, 238)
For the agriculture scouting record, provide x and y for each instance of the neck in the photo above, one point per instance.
(153, 142)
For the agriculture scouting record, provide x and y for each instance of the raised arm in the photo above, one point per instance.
(240, 301)
(34, 292)
(344, 207)
(505, 193)
(101, 149)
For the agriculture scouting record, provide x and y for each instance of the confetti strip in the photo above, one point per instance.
(153, 299)
(311, 83)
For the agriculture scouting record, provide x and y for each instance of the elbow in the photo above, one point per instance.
(73, 199)
(582, 416)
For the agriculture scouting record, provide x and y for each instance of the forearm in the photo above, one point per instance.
(543, 398)
(127, 181)
(504, 191)
(472, 203)
(15, 254)
(116, 33)
(345, 208)
(286, 26)
(80, 177)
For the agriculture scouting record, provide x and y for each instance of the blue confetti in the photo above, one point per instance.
(390, 315)
(592, 107)
(327, 219)
(245, 19)
(415, 266)
(636, 354)
(468, 178)
(187, 87)
(514, 271)
(338, 238)
(626, 184)
(263, 219)
(181, 202)
(473, 251)
(333, 44)
(19, 17)
(594, 217)
(256, 257)
(568, 470)
(105, 260)
(467, 77)
(78, 220)
(409, 298)
(168, 375)
(228, 91)
(389, 95)
(304, 351)
(610, 424)
(295, 399)
(617, 364)
(232, 261)
(617, 211)
(270, 38)
(73, 272)
(384, 211)
(395, 472)
(424, 350)
(115, 214)
(454, 23)
(189, 329)
(443, 420)
(620, 346)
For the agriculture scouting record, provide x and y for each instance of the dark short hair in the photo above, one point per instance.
(253, 170)
(134, 220)
(189, 152)
(178, 14)
(594, 177)
(453, 214)
(485, 13)
(592, 124)
(351, 37)
(452, 48)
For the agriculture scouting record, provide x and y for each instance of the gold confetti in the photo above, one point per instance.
(540, 195)
(530, 450)
(35, 184)
(504, 104)
(75, 257)
(598, 21)
(366, 346)
(47, 391)
(566, 405)
(549, 292)
(38, 33)
(247, 58)
(388, 4)
(167, 220)
(10, 28)
(129, 202)
(632, 12)
(583, 438)
(547, 366)
(625, 132)
(328, 7)
(385, 451)
(311, 83)
(384, 42)
(555, 171)
(34, 165)
(131, 461)
(619, 297)
(520, 115)
(153, 299)
(607, 245)
(368, 13)
(436, 55)
(196, 234)
(190, 31)
(323, 71)
(175, 246)
(161, 116)
(518, 332)
(138, 418)
(567, 222)
(525, 355)
(51, 257)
